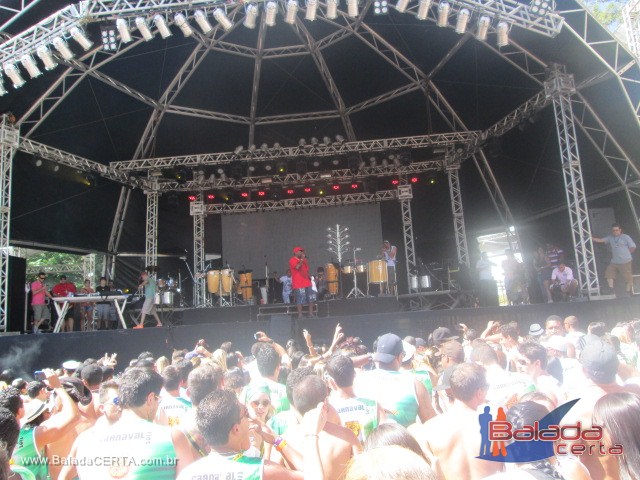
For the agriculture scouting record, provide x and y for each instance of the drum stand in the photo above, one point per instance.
(355, 291)
(223, 302)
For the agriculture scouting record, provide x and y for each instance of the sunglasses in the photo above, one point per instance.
(264, 403)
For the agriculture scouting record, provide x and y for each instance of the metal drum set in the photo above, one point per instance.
(167, 292)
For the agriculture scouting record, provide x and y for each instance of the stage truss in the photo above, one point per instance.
(619, 63)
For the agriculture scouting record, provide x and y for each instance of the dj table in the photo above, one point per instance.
(62, 305)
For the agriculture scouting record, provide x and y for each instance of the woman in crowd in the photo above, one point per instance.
(260, 409)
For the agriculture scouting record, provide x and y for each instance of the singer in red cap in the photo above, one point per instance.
(301, 281)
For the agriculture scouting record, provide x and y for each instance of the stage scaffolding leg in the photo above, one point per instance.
(89, 267)
(405, 194)
(560, 86)
(151, 239)
(9, 136)
(458, 214)
(109, 265)
(199, 292)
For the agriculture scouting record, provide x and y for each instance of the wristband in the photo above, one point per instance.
(280, 443)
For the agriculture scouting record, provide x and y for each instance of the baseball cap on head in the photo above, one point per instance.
(388, 348)
(599, 360)
(298, 249)
(441, 335)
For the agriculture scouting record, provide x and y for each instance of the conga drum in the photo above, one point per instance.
(331, 272)
(377, 272)
(226, 277)
(213, 281)
(246, 284)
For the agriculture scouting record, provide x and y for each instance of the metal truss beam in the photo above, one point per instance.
(385, 97)
(458, 214)
(613, 55)
(9, 137)
(151, 237)
(295, 203)
(293, 179)
(309, 151)
(199, 291)
(70, 160)
(109, 265)
(405, 195)
(146, 143)
(89, 267)
(329, 82)
(60, 268)
(560, 87)
(255, 87)
(631, 19)
(297, 117)
(16, 12)
(208, 114)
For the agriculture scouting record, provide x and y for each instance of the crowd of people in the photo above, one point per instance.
(405, 408)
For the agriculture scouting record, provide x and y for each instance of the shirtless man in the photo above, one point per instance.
(599, 364)
(337, 444)
(452, 440)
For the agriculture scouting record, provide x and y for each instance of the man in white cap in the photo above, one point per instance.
(572, 377)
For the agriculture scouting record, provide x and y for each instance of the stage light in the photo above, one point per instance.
(221, 17)
(80, 37)
(276, 146)
(302, 142)
(414, 179)
(192, 198)
(271, 10)
(261, 193)
(339, 139)
(381, 7)
(268, 167)
(183, 25)
(223, 176)
(14, 74)
(385, 163)
(373, 161)
(321, 191)
(108, 37)
(30, 66)
(332, 9)
(251, 168)
(244, 195)
(423, 9)
(161, 25)
(540, 7)
(238, 149)
(39, 162)
(292, 11)
(335, 187)
(312, 7)
(326, 140)
(56, 168)
(290, 191)
(431, 181)
(354, 186)
(483, 28)
(335, 161)
(264, 147)
(316, 163)
(123, 29)
(63, 49)
(502, 31)
(202, 21)
(211, 196)
(402, 5)
(395, 181)
(251, 15)
(443, 14)
(352, 8)
(314, 141)
(47, 59)
(307, 190)
(463, 20)
(144, 29)
(282, 167)
(220, 170)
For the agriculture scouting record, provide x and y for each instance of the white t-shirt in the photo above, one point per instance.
(564, 276)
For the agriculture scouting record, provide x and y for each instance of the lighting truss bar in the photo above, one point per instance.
(511, 11)
(55, 269)
(70, 160)
(415, 142)
(292, 179)
(294, 203)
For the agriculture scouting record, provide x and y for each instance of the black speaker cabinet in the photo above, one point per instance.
(16, 292)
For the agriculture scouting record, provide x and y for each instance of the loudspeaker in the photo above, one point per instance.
(280, 328)
(16, 293)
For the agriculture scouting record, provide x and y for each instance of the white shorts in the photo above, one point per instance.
(149, 307)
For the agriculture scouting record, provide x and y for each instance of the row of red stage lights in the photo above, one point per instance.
(291, 191)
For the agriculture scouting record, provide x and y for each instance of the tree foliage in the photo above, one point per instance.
(607, 12)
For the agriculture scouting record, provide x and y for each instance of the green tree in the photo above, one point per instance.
(607, 12)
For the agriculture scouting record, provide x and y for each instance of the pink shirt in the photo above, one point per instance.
(37, 298)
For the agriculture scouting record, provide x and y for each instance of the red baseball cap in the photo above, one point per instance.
(298, 249)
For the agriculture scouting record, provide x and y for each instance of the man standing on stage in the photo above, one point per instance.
(64, 289)
(621, 249)
(41, 311)
(149, 307)
(301, 281)
(389, 255)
